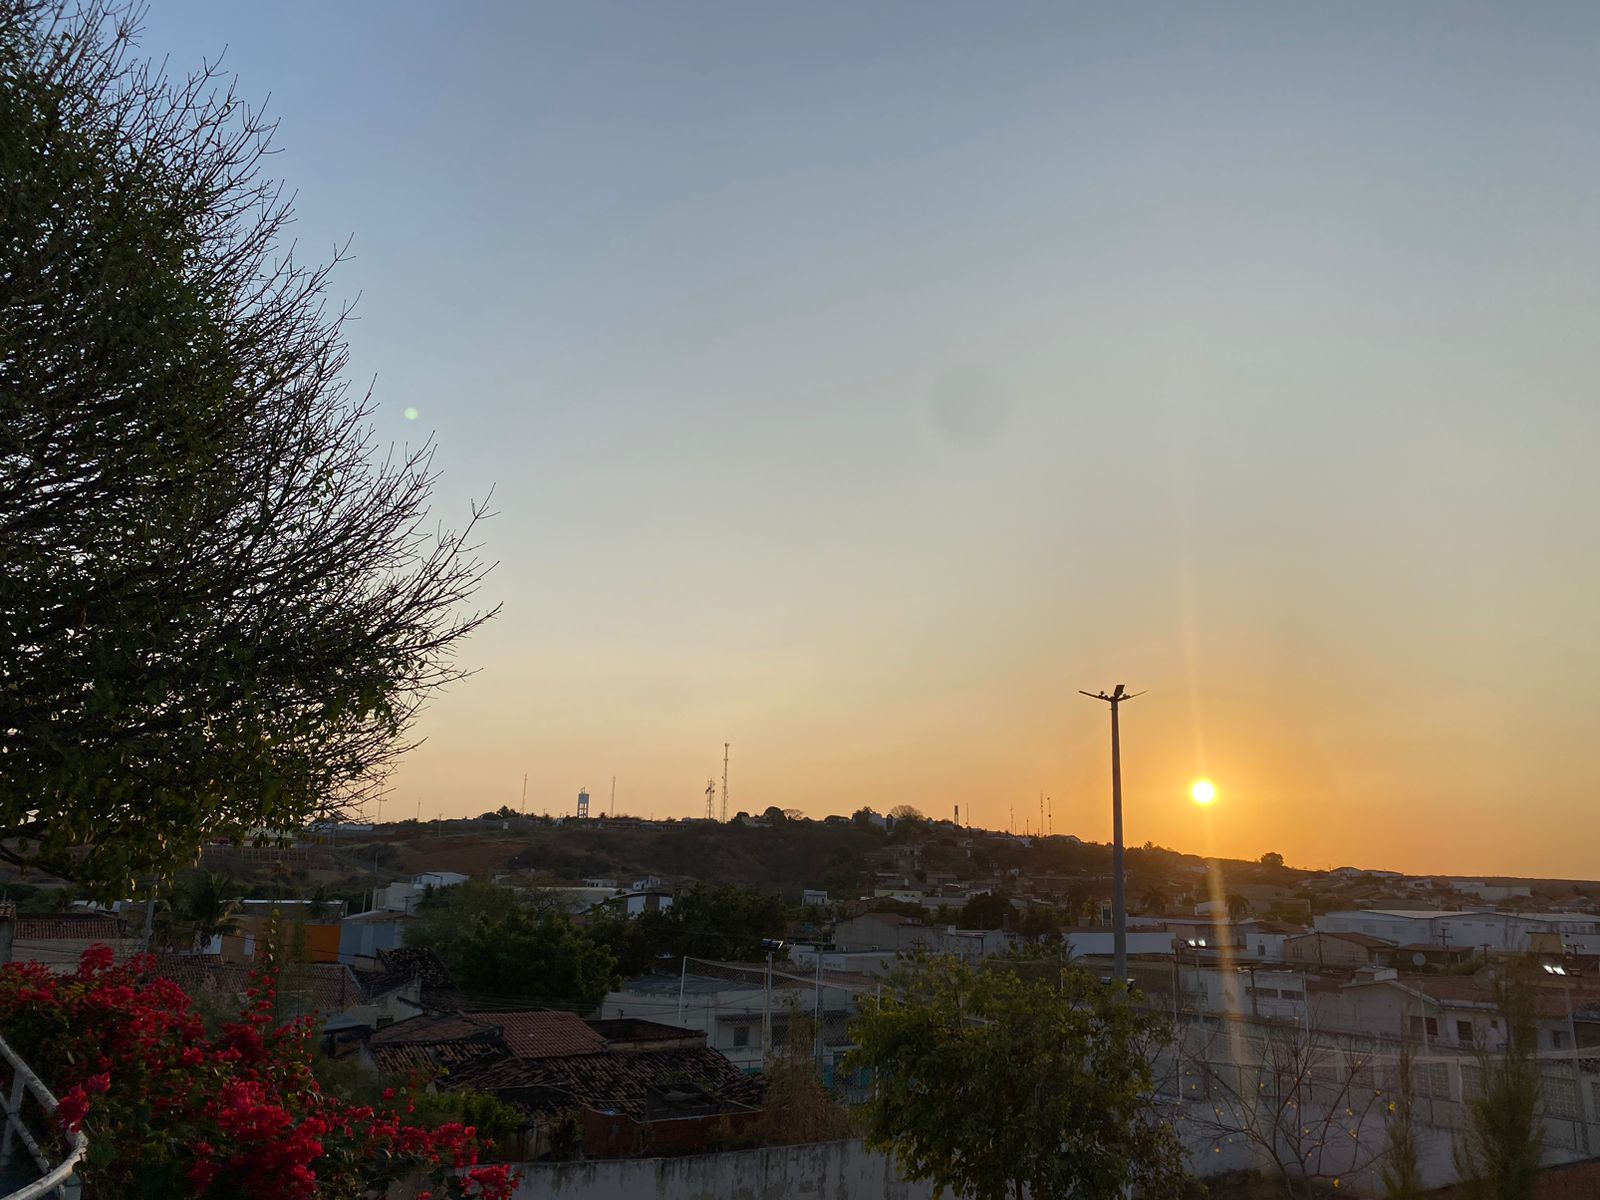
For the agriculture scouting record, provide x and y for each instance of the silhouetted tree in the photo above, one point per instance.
(221, 605)
(992, 1084)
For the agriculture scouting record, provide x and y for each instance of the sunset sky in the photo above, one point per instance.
(859, 381)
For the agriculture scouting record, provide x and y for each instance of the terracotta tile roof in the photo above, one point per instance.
(86, 927)
(414, 962)
(523, 1033)
(418, 1056)
(420, 1030)
(542, 1034)
(610, 1082)
(635, 1031)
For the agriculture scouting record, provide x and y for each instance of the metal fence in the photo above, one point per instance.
(29, 1101)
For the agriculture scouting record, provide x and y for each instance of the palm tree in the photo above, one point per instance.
(1156, 901)
(208, 906)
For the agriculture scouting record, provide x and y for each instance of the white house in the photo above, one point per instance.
(731, 1011)
(438, 879)
(1463, 929)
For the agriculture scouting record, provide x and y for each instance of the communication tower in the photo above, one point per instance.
(711, 796)
(724, 782)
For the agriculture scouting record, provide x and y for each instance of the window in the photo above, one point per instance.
(1434, 1080)
(1556, 1040)
(1292, 994)
(1561, 1098)
(1431, 1026)
(1463, 1031)
(741, 1035)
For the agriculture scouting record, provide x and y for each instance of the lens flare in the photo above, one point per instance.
(1204, 792)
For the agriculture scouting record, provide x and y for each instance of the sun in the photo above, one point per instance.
(1204, 791)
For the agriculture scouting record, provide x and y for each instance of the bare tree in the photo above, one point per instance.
(1304, 1103)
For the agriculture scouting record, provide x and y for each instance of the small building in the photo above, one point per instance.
(58, 940)
(1337, 949)
(892, 931)
(438, 879)
(363, 935)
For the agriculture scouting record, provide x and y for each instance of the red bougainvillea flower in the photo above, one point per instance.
(174, 1109)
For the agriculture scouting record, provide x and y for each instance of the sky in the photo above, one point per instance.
(856, 382)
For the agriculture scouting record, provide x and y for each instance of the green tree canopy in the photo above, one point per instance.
(221, 606)
(993, 1084)
(500, 948)
(723, 922)
(991, 911)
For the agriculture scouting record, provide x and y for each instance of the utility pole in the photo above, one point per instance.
(524, 793)
(614, 796)
(1119, 899)
(724, 783)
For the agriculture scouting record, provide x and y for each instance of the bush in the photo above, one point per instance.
(172, 1110)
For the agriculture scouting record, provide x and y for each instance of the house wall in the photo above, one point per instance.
(1330, 951)
(361, 940)
(613, 1135)
(1266, 946)
(820, 1171)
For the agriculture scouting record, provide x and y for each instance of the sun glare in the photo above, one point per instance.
(1203, 791)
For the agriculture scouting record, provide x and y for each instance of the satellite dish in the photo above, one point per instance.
(1419, 959)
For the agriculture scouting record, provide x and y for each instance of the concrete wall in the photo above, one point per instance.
(822, 1171)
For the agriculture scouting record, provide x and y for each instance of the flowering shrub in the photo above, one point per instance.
(172, 1110)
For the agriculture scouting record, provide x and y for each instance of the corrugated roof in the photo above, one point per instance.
(1358, 939)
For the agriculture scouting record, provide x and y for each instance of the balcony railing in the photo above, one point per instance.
(43, 1179)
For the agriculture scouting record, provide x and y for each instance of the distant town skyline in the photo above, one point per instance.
(856, 384)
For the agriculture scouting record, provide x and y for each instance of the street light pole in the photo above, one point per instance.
(1119, 901)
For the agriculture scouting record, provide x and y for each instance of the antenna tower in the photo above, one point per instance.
(613, 795)
(724, 783)
(711, 796)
